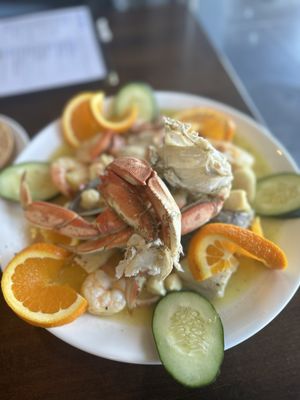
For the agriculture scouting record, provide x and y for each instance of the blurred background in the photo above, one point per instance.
(258, 42)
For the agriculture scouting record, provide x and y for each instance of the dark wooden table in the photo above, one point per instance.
(165, 47)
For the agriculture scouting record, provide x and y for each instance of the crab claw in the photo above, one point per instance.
(125, 200)
(109, 222)
(168, 213)
(142, 185)
(52, 216)
(133, 170)
(115, 240)
(198, 214)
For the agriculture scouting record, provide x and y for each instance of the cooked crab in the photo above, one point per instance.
(141, 214)
(188, 161)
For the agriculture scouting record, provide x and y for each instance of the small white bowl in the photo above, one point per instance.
(21, 136)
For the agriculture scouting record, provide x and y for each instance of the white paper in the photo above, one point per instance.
(48, 49)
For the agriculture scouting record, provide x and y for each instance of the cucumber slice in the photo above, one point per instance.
(137, 93)
(278, 195)
(37, 177)
(189, 338)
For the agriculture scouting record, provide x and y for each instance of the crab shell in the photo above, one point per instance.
(132, 188)
(187, 161)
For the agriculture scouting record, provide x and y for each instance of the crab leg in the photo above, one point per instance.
(60, 219)
(131, 292)
(52, 216)
(102, 144)
(192, 217)
(116, 240)
(197, 214)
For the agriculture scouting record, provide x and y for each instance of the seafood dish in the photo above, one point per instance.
(138, 203)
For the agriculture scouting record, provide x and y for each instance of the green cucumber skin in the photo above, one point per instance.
(287, 215)
(19, 169)
(124, 93)
(290, 215)
(293, 212)
(166, 366)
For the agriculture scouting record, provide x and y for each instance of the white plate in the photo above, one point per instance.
(242, 317)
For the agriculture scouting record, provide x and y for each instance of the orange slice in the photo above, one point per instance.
(78, 123)
(97, 108)
(209, 123)
(40, 285)
(214, 247)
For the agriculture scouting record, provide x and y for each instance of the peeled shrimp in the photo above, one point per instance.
(105, 295)
(67, 169)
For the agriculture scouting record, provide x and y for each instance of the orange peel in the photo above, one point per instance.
(121, 126)
(214, 247)
(256, 226)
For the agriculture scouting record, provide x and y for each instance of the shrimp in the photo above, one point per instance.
(105, 294)
(68, 174)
